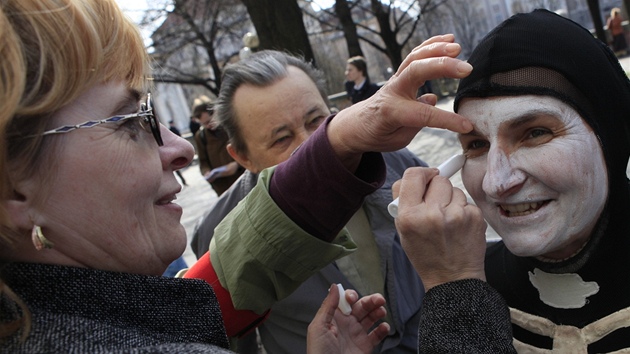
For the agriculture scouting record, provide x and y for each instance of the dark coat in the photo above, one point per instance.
(365, 92)
(80, 310)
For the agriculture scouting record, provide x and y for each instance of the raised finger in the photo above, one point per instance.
(428, 98)
(436, 46)
(363, 307)
(326, 311)
(420, 70)
(415, 115)
(372, 310)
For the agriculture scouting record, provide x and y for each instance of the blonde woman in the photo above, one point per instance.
(88, 219)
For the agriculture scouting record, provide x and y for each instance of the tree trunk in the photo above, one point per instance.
(593, 8)
(349, 28)
(393, 48)
(280, 26)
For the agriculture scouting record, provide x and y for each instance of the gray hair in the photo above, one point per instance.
(261, 69)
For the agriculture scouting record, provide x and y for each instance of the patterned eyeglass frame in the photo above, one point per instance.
(146, 112)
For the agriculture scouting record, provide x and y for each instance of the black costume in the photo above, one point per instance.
(524, 56)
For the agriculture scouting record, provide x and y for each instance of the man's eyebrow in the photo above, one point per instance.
(310, 112)
(306, 116)
(279, 129)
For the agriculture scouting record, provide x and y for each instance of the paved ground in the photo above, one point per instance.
(198, 196)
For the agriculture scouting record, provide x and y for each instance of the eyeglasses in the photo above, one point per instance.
(147, 114)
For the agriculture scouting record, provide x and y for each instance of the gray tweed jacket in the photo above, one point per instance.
(79, 310)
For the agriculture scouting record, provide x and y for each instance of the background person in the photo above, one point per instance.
(269, 105)
(614, 24)
(358, 85)
(215, 163)
(546, 165)
(194, 125)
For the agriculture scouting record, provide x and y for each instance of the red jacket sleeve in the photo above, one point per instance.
(237, 322)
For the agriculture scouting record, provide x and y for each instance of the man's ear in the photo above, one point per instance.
(17, 208)
(242, 159)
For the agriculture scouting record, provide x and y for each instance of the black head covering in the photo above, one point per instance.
(542, 53)
(525, 54)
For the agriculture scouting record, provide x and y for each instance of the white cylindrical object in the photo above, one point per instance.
(452, 165)
(343, 306)
(446, 168)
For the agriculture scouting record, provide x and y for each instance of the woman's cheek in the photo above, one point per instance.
(472, 177)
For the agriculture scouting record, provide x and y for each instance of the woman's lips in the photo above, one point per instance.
(522, 209)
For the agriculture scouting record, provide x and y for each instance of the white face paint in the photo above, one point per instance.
(537, 172)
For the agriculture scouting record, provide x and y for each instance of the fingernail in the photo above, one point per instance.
(451, 48)
(354, 296)
(463, 67)
(467, 125)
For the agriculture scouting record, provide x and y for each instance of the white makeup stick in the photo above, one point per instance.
(447, 169)
(343, 306)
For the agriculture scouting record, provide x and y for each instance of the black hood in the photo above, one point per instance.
(542, 53)
(543, 39)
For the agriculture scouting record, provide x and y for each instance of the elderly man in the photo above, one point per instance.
(269, 104)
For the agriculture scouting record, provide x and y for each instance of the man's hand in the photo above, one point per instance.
(392, 117)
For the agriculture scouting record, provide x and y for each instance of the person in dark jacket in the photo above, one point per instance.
(215, 163)
(358, 85)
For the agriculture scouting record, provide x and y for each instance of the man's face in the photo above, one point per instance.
(352, 73)
(537, 172)
(274, 120)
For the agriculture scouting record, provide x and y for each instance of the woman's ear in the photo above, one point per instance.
(242, 159)
(17, 207)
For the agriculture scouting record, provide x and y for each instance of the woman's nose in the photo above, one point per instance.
(502, 178)
(176, 152)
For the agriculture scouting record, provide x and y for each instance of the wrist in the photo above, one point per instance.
(348, 157)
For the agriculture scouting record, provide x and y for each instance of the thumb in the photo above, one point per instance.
(326, 311)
